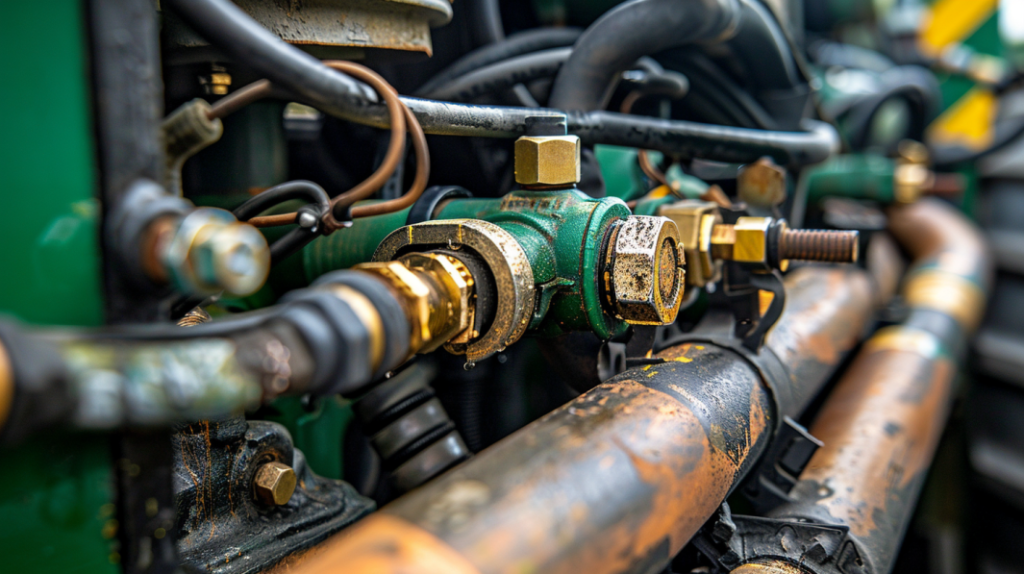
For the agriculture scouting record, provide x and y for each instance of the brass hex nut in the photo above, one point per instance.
(274, 484)
(745, 242)
(695, 220)
(762, 183)
(211, 251)
(547, 160)
(415, 293)
(647, 270)
(451, 310)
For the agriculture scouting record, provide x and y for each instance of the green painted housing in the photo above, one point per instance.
(561, 231)
(56, 492)
(853, 176)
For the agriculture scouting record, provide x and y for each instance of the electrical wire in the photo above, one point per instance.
(396, 147)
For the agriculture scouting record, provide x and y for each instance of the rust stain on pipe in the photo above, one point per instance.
(880, 428)
(617, 480)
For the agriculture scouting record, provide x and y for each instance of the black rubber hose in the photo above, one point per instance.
(243, 39)
(915, 85)
(761, 45)
(488, 27)
(298, 189)
(631, 30)
(695, 140)
(502, 75)
(515, 45)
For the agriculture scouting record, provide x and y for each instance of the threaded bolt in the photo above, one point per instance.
(818, 245)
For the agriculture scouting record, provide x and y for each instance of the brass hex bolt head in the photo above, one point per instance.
(274, 484)
(746, 241)
(696, 220)
(644, 282)
(211, 251)
(762, 183)
(547, 161)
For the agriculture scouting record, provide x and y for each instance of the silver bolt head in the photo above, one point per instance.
(647, 273)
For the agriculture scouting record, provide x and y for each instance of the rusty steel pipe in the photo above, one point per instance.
(619, 479)
(883, 422)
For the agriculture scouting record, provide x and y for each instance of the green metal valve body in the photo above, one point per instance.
(562, 232)
(853, 176)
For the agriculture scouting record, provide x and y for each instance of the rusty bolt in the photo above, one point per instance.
(274, 484)
(766, 242)
(547, 161)
(762, 183)
(817, 245)
(645, 278)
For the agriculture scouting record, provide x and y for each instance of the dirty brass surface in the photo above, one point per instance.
(696, 221)
(274, 484)
(762, 183)
(547, 160)
(504, 257)
(647, 274)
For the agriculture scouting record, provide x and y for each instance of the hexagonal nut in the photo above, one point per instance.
(274, 484)
(547, 160)
(211, 251)
(647, 270)
(451, 314)
(751, 240)
(762, 183)
(695, 220)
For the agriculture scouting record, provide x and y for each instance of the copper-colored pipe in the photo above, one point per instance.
(881, 425)
(619, 479)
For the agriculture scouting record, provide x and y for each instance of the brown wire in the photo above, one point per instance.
(401, 119)
(646, 165)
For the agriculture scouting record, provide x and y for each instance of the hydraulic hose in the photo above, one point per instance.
(882, 423)
(631, 30)
(501, 75)
(518, 44)
(243, 39)
(620, 478)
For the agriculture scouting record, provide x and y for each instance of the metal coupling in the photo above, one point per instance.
(274, 484)
(547, 162)
(762, 184)
(769, 243)
(211, 251)
(436, 291)
(695, 220)
(644, 270)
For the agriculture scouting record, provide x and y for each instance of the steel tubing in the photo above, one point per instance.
(883, 422)
(619, 479)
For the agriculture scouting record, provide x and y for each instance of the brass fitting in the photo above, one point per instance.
(695, 221)
(547, 162)
(762, 183)
(274, 484)
(437, 292)
(769, 243)
(211, 251)
(645, 270)
(912, 178)
(746, 241)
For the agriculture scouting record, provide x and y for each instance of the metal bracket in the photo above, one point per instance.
(779, 470)
(729, 541)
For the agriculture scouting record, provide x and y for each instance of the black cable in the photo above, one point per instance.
(298, 189)
(241, 38)
(309, 228)
(515, 45)
(948, 156)
(501, 76)
(633, 29)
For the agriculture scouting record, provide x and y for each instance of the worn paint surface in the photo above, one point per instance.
(826, 312)
(617, 480)
(880, 428)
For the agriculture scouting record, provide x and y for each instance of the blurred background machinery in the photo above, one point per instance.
(655, 286)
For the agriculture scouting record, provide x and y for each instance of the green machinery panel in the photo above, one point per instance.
(55, 493)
